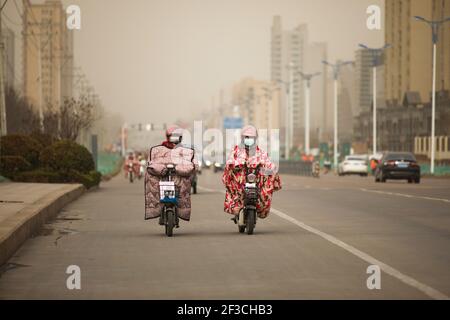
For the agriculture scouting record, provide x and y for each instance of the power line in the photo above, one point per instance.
(10, 20)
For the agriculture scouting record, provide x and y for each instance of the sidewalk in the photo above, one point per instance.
(25, 207)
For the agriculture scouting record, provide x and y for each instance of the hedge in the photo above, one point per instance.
(89, 180)
(44, 139)
(11, 165)
(66, 156)
(21, 146)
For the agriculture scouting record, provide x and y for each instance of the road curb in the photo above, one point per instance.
(15, 230)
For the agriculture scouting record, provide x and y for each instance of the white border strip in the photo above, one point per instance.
(429, 291)
(405, 195)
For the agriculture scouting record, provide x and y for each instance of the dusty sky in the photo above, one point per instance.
(155, 60)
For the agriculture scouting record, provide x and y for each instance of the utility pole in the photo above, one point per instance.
(435, 25)
(3, 123)
(376, 55)
(336, 70)
(290, 113)
(307, 79)
(124, 129)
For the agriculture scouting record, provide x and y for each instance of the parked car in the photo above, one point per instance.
(219, 166)
(398, 165)
(353, 164)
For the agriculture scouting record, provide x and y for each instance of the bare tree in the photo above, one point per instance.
(20, 114)
(76, 115)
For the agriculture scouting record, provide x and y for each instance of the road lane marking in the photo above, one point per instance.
(427, 290)
(405, 195)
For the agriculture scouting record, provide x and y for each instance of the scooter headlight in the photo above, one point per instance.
(251, 178)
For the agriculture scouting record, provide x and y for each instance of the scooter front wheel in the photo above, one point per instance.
(250, 224)
(170, 223)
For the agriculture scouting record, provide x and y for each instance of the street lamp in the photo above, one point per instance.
(376, 54)
(286, 117)
(307, 78)
(268, 95)
(336, 69)
(3, 126)
(289, 136)
(123, 138)
(435, 25)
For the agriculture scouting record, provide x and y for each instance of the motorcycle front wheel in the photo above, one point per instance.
(251, 217)
(170, 222)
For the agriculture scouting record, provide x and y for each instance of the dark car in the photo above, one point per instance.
(398, 165)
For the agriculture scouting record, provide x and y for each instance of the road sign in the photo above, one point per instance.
(233, 123)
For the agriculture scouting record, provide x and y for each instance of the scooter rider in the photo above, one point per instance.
(249, 154)
(170, 151)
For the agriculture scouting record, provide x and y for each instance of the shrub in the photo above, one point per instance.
(39, 176)
(21, 146)
(44, 139)
(11, 165)
(88, 180)
(65, 156)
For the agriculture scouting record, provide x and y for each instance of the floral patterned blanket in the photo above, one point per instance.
(234, 180)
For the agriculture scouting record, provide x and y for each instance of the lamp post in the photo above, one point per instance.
(435, 25)
(3, 126)
(376, 54)
(123, 138)
(286, 117)
(336, 70)
(307, 78)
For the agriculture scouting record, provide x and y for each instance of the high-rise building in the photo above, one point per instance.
(346, 102)
(409, 61)
(315, 54)
(259, 102)
(363, 74)
(364, 81)
(9, 57)
(289, 46)
(47, 54)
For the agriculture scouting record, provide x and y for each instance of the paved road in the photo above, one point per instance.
(316, 244)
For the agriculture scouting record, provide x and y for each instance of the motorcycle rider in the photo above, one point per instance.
(142, 165)
(170, 151)
(130, 161)
(248, 153)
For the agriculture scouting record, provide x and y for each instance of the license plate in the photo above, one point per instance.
(166, 189)
(402, 165)
(250, 185)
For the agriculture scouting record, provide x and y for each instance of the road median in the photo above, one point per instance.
(18, 226)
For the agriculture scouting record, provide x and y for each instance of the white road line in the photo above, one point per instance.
(406, 195)
(429, 291)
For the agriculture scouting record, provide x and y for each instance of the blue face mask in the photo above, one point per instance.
(249, 142)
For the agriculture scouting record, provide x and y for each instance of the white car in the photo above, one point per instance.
(353, 165)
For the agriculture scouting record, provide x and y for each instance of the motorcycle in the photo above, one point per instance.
(326, 166)
(247, 216)
(130, 170)
(142, 166)
(194, 183)
(169, 198)
(316, 169)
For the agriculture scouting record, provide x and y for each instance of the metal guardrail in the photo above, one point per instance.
(296, 167)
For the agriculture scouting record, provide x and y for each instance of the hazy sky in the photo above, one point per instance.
(153, 60)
